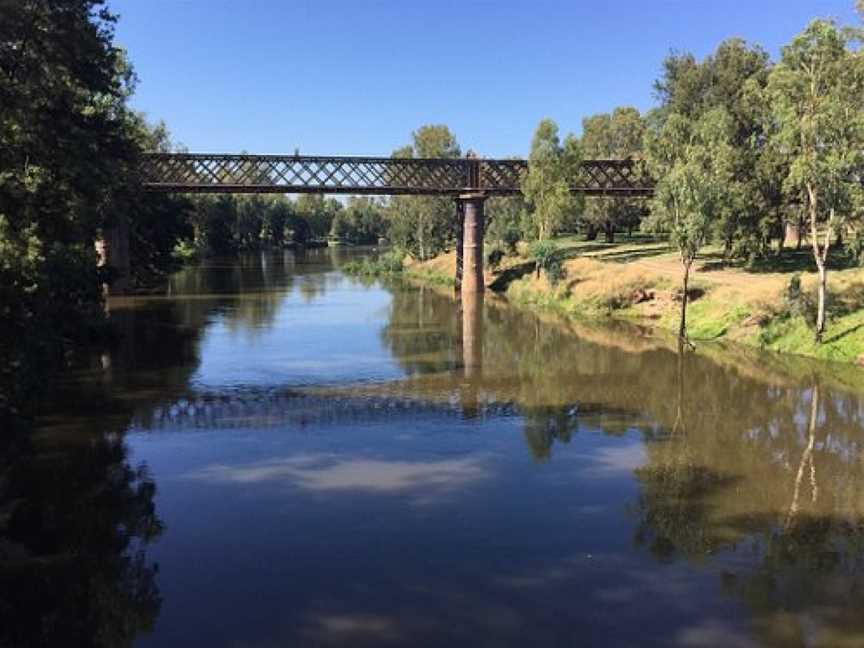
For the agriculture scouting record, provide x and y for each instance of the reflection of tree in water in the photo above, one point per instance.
(75, 518)
(423, 330)
(788, 491)
(763, 461)
(545, 425)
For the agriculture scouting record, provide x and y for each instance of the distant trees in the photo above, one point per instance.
(362, 222)
(615, 135)
(228, 224)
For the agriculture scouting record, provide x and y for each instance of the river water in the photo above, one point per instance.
(277, 454)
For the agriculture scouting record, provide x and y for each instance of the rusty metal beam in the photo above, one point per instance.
(203, 173)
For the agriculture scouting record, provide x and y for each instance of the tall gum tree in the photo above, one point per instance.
(552, 168)
(693, 161)
(731, 78)
(816, 95)
(422, 225)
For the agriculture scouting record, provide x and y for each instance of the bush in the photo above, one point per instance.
(545, 257)
(386, 264)
(494, 256)
(799, 303)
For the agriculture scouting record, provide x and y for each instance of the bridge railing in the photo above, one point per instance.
(203, 173)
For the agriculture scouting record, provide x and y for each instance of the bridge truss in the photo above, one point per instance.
(203, 173)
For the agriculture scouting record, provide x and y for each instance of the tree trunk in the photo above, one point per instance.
(682, 328)
(792, 234)
(820, 312)
(820, 255)
(799, 241)
(591, 232)
(609, 232)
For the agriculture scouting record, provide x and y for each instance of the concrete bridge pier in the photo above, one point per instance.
(460, 239)
(473, 225)
(113, 252)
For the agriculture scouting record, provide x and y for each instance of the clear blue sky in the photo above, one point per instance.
(356, 77)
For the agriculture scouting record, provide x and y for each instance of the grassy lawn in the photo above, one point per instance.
(638, 278)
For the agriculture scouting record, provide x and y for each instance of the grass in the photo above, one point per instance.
(385, 265)
(638, 279)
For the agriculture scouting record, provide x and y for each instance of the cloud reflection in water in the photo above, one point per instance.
(326, 473)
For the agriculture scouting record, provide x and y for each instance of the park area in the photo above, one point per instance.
(767, 304)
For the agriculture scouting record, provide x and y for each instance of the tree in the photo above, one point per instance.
(423, 225)
(617, 135)
(816, 94)
(693, 164)
(361, 222)
(546, 186)
(63, 128)
(732, 78)
(318, 212)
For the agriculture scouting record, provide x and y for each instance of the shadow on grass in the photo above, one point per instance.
(503, 280)
(840, 336)
(799, 261)
(632, 255)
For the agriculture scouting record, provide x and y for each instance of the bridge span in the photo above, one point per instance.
(384, 176)
(469, 181)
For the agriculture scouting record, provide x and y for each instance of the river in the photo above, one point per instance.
(274, 453)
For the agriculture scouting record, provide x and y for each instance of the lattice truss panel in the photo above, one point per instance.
(231, 173)
(185, 172)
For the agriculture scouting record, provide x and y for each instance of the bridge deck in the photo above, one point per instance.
(203, 173)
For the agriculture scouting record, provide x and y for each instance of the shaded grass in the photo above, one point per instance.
(844, 341)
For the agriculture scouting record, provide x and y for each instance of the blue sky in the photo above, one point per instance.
(355, 78)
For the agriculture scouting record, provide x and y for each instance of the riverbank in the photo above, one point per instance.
(639, 282)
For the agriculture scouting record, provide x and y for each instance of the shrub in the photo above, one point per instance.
(545, 257)
(494, 256)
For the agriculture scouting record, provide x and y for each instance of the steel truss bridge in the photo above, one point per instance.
(385, 176)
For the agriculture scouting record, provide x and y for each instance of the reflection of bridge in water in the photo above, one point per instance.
(267, 408)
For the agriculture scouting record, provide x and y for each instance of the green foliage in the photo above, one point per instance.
(68, 152)
(362, 222)
(507, 222)
(617, 135)
(693, 164)
(494, 256)
(387, 264)
(424, 225)
(319, 212)
(544, 253)
(733, 78)
(546, 186)
(816, 94)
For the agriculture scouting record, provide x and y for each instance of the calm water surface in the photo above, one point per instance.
(278, 455)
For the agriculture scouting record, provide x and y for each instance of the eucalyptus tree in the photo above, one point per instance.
(617, 135)
(423, 225)
(732, 78)
(816, 94)
(552, 168)
(694, 163)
